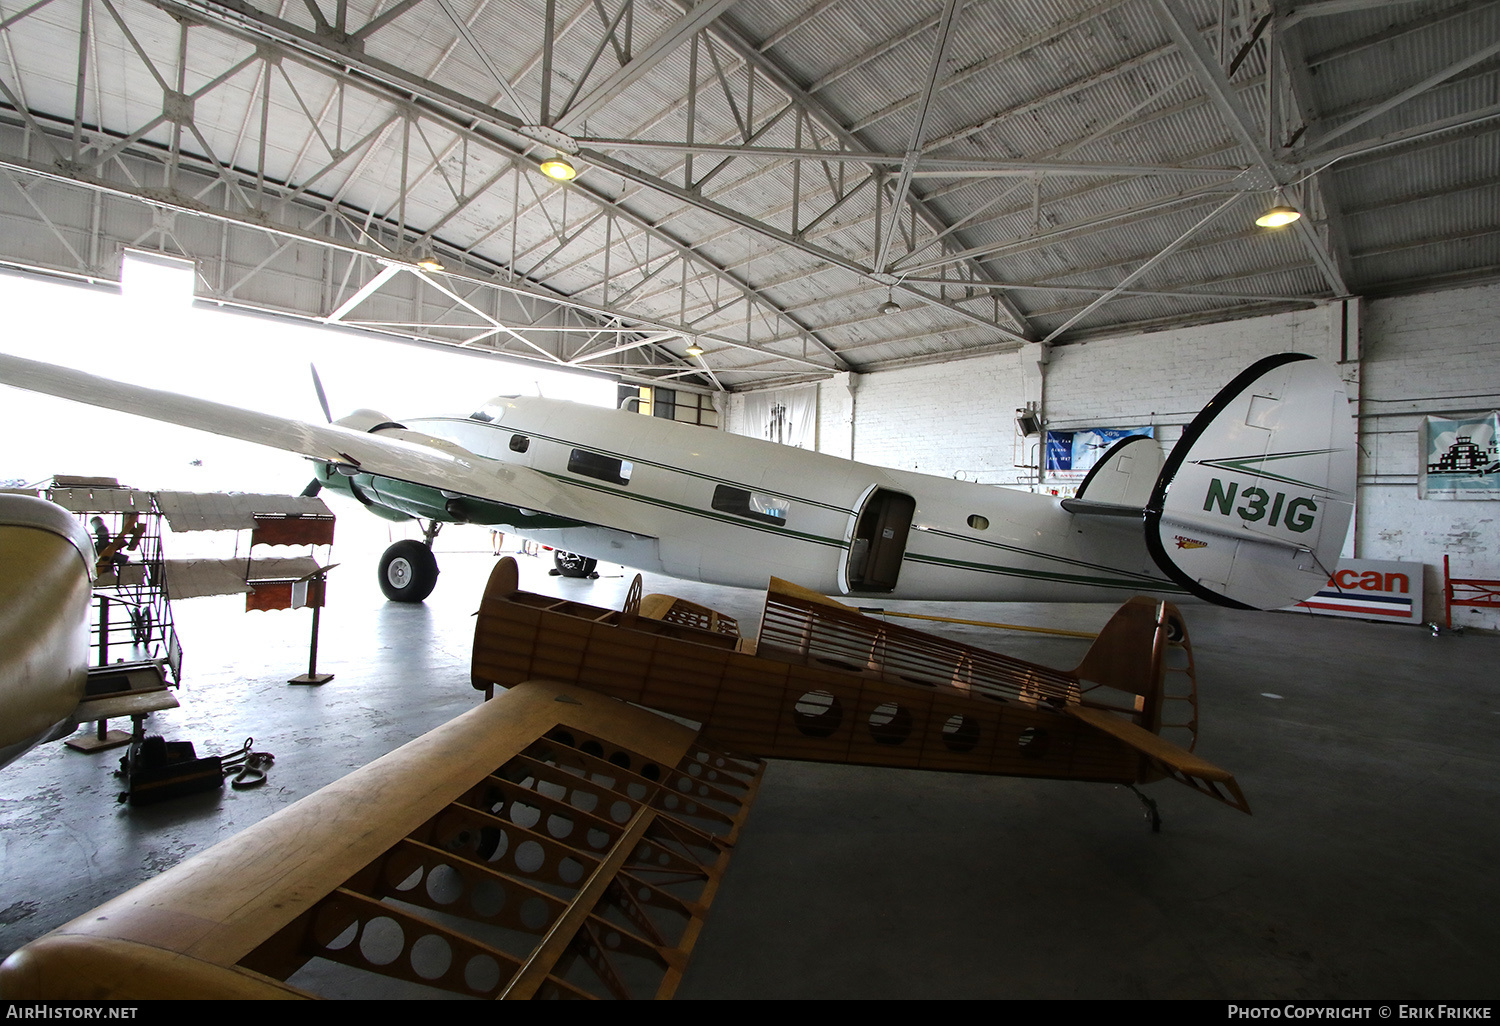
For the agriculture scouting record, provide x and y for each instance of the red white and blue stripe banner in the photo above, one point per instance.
(1370, 589)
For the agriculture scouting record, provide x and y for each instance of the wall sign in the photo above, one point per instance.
(1370, 589)
(1459, 459)
(1072, 454)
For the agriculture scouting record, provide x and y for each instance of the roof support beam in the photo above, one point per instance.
(1325, 8)
(1021, 329)
(935, 167)
(918, 132)
(1434, 133)
(1178, 22)
(690, 24)
(364, 292)
(1133, 275)
(645, 340)
(162, 200)
(461, 113)
(1427, 83)
(484, 58)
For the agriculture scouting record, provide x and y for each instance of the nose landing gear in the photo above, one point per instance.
(571, 564)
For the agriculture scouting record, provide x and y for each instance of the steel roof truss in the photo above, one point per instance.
(1179, 24)
(311, 44)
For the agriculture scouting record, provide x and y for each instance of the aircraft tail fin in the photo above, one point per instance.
(1125, 475)
(1252, 506)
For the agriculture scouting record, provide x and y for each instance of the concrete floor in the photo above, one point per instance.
(1368, 753)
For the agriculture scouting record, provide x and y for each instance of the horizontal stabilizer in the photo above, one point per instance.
(1176, 762)
(1084, 508)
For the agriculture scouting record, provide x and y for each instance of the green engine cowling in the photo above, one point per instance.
(401, 500)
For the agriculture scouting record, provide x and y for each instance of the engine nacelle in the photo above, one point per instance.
(367, 421)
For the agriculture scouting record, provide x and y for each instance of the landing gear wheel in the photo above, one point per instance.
(140, 625)
(408, 571)
(571, 564)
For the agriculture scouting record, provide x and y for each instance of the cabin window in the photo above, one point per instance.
(481, 415)
(768, 509)
(519, 443)
(979, 523)
(599, 466)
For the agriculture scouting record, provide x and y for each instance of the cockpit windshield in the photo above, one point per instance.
(491, 411)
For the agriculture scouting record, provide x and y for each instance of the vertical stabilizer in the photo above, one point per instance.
(1125, 475)
(1253, 504)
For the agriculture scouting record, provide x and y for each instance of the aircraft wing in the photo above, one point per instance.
(535, 846)
(449, 468)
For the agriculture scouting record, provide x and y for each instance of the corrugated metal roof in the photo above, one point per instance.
(1055, 152)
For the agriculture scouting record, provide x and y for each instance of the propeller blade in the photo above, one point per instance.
(318, 387)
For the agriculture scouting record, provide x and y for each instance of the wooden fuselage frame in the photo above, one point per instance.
(825, 683)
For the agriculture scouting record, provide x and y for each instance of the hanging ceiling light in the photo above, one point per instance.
(1276, 217)
(429, 262)
(890, 306)
(559, 169)
(695, 350)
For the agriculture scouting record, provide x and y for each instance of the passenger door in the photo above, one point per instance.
(879, 542)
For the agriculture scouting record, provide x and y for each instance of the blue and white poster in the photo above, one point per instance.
(1459, 459)
(1072, 454)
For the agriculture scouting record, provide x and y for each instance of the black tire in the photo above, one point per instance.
(140, 625)
(571, 564)
(408, 571)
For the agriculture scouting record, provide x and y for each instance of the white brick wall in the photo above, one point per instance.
(1167, 377)
(1432, 353)
(931, 420)
(836, 415)
(1437, 353)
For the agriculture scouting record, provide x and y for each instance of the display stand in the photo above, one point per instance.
(1458, 591)
(315, 589)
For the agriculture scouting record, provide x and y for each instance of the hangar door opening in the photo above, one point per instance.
(879, 542)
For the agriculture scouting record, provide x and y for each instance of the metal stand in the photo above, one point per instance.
(312, 676)
(101, 740)
(1152, 813)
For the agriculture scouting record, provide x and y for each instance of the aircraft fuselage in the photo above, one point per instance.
(1248, 510)
(734, 510)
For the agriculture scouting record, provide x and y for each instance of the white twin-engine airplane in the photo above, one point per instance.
(1250, 510)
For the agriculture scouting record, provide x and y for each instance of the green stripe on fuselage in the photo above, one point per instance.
(425, 502)
(1033, 554)
(1119, 584)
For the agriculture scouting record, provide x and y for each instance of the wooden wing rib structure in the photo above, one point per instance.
(550, 843)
